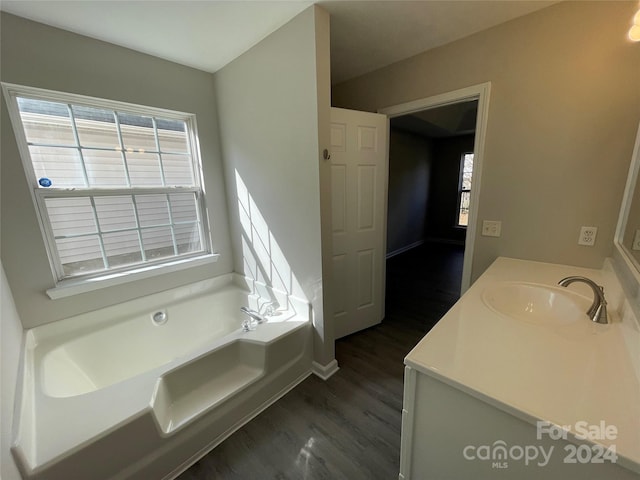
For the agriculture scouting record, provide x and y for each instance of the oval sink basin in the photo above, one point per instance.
(535, 303)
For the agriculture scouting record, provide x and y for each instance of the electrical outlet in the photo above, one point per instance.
(588, 236)
(491, 228)
(636, 241)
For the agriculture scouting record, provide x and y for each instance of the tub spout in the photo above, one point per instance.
(253, 314)
(254, 319)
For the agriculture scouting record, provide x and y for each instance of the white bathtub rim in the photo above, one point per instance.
(238, 425)
(146, 303)
(185, 423)
(47, 336)
(43, 340)
(259, 336)
(39, 357)
(202, 350)
(23, 460)
(58, 331)
(135, 406)
(248, 337)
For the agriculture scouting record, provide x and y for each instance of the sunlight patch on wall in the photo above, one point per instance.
(264, 261)
(634, 31)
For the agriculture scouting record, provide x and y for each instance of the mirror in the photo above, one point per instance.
(628, 231)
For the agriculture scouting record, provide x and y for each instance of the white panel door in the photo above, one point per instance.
(359, 200)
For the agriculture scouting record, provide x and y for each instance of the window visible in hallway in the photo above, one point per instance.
(464, 188)
(117, 186)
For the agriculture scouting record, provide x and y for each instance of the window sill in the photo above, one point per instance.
(68, 288)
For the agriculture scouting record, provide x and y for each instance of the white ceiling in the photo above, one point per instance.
(208, 34)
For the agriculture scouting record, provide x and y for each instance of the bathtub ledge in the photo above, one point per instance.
(61, 433)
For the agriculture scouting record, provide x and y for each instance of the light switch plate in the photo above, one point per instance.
(491, 228)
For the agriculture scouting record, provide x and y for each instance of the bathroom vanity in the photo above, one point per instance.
(517, 382)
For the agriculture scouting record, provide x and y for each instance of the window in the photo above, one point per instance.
(464, 189)
(117, 186)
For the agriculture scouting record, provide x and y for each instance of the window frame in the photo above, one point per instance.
(462, 190)
(39, 195)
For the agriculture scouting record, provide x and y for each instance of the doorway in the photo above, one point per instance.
(431, 156)
(474, 101)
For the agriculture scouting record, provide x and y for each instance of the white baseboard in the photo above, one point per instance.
(404, 249)
(447, 241)
(324, 371)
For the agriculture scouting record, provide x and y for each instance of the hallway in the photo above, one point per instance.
(349, 426)
(423, 284)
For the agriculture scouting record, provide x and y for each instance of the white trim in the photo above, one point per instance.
(67, 288)
(449, 98)
(324, 371)
(631, 185)
(408, 414)
(100, 191)
(406, 248)
(446, 241)
(13, 89)
(481, 93)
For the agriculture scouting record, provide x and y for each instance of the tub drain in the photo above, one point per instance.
(160, 317)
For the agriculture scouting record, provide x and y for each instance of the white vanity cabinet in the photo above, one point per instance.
(440, 421)
(486, 395)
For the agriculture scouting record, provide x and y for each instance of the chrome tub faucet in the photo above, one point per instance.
(256, 317)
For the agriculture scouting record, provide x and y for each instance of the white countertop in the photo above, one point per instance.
(564, 374)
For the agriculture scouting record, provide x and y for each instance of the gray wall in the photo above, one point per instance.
(11, 339)
(443, 197)
(410, 159)
(269, 106)
(563, 112)
(41, 56)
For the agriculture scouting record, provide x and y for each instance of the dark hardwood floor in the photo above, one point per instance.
(349, 426)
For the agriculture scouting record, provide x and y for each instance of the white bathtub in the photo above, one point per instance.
(114, 394)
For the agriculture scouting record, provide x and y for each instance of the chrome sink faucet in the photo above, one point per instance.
(598, 309)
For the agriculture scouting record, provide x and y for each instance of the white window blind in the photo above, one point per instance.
(117, 186)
